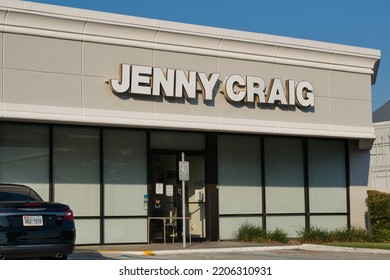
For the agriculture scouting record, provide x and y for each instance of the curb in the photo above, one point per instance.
(225, 250)
(305, 247)
(325, 248)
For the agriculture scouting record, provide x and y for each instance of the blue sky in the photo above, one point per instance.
(362, 23)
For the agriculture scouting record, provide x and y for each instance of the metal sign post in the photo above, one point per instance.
(184, 175)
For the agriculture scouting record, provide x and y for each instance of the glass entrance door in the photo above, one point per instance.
(165, 199)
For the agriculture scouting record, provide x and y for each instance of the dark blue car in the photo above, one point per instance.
(32, 228)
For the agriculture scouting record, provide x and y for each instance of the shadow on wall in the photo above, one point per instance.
(359, 165)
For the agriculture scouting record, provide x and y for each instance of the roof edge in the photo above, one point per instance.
(86, 25)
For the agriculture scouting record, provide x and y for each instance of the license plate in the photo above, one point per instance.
(32, 221)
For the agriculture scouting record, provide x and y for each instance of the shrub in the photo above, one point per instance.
(317, 235)
(251, 232)
(313, 235)
(353, 234)
(378, 204)
(277, 235)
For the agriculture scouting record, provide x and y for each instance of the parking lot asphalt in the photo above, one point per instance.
(225, 250)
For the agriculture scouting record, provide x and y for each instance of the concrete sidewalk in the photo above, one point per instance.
(175, 247)
(217, 247)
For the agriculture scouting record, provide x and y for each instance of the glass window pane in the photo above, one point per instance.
(24, 156)
(228, 226)
(239, 174)
(76, 169)
(125, 176)
(123, 230)
(284, 175)
(88, 231)
(327, 176)
(329, 222)
(289, 224)
(84, 199)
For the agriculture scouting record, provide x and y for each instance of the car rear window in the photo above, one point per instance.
(18, 193)
(15, 197)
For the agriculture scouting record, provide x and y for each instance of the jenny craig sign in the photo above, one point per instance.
(154, 81)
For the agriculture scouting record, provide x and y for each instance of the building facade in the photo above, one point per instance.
(97, 109)
(380, 152)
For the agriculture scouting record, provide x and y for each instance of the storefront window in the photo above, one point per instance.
(77, 181)
(327, 176)
(76, 172)
(239, 177)
(24, 156)
(284, 175)
(125, 185)
(125, 181)
(76, 169)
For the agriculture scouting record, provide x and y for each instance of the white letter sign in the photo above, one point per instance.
(155, 81)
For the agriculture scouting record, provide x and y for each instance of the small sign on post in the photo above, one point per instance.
(184, 171)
